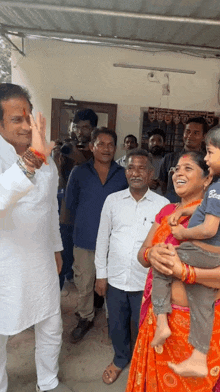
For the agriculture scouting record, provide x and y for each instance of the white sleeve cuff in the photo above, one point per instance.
(58, 248)
(101, 273)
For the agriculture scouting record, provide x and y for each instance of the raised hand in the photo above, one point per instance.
(39, 142)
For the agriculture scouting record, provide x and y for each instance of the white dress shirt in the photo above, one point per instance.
(29, 236)
(124, 225)
(121, 161)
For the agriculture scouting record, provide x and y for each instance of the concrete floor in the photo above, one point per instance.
(81, 364)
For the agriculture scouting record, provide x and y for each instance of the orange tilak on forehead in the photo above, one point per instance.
(24, 112)
(185, 156)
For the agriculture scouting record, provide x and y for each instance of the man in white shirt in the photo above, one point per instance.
(126, 219)
(130, 142)
(30, 243)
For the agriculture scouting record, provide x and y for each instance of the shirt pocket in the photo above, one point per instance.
(124, 218)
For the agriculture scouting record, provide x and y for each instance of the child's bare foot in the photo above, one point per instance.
(162, 331)
(160, 336)
(195, 366)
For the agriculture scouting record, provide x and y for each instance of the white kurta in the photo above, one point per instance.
(29, 236)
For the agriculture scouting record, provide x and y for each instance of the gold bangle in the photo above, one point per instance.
(32, 158)
(184, 272)
(146, 253)
(192, 275)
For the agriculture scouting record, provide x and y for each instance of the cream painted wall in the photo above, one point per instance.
(55, 69)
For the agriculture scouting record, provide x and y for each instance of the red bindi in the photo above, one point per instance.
(184, 156)
(24, 113)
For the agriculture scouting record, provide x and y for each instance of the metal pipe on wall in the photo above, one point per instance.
(185, 71)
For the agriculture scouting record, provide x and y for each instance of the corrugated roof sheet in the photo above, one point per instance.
(191, 26)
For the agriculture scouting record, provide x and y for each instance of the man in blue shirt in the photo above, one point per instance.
(87, 189)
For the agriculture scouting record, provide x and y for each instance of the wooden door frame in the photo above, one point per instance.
(98, 107)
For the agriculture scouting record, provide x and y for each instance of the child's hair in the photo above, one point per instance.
(198, 158)
(213, 137)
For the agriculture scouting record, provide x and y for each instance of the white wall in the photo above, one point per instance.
(55, 69)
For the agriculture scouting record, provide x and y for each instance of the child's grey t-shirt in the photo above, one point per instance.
(210, 205)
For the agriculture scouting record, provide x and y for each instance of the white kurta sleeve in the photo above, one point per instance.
(102, 242)
(13, 186)
(55, 226)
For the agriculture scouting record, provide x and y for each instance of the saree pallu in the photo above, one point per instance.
(149, 371)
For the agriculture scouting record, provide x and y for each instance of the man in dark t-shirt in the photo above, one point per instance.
(193, 138)
(73, 152)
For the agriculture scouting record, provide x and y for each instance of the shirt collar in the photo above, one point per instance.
(90, 162)
(148, 195)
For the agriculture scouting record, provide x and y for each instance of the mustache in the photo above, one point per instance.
(136, 178)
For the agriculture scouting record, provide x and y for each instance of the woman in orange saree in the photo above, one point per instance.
(149, 371)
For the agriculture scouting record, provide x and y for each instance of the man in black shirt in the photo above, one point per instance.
(193, 137)
(74, 151)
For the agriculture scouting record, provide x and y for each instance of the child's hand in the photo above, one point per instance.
(179, 232)
(174, 218)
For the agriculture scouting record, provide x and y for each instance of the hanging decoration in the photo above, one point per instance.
(178, 116)
(172, 122)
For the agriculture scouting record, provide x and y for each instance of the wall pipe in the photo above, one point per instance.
(185, 71)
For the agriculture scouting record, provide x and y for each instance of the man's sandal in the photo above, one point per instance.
(111, 373)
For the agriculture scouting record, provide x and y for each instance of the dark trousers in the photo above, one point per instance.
(122, 306)
(66, 232)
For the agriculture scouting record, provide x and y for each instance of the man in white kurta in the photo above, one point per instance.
(29, 290)
(29, 240)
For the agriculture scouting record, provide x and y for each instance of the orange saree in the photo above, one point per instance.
(149, 371)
